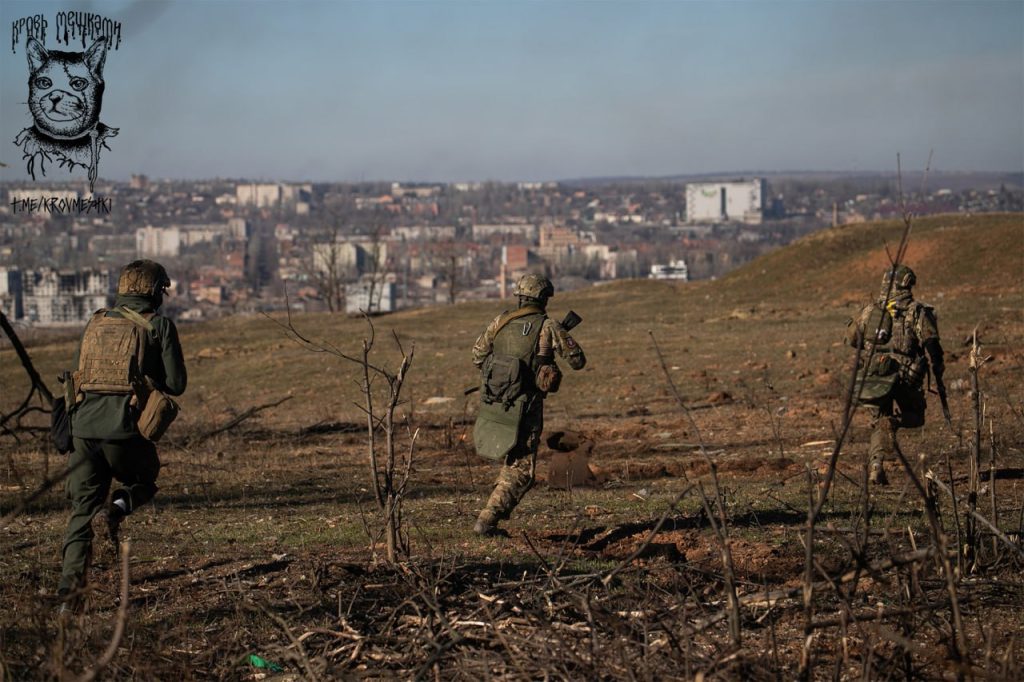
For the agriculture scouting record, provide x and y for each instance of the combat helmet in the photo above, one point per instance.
(143, 278)
(903, 278)
(534, 286)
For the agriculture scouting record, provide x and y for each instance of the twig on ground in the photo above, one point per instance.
(122, 617)
(235, 421)
(996, 533)
(39, 492)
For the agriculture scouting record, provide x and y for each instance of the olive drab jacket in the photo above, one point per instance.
(897, 330)
(111, 415)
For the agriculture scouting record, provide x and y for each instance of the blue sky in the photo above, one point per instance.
(450, 90)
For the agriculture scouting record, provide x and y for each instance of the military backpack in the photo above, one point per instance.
(507, 382)
(508, 372)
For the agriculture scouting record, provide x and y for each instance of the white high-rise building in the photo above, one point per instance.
(741, 201)
(157, 242)
(371, 294)
(264, 195)
(10, 293)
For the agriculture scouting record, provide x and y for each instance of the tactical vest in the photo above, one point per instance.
(112, 353)
(904, 336)
(897, 352)
(510, 369)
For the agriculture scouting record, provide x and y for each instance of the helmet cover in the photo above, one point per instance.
(534, 286)
(903, 278)
(143, 278)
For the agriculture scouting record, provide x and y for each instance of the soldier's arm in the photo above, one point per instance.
(853, 336)
(563, 344)
(175, 375)
(484, 343)
(928, 333)
(855, 329)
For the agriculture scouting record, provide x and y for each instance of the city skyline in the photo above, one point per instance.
(458, 91)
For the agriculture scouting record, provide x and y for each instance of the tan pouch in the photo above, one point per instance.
(158, 414)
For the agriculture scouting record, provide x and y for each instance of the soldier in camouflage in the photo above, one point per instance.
(121, 348)
(531, 339)
(897, 336)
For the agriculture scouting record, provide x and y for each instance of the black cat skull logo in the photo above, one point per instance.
(65, 95)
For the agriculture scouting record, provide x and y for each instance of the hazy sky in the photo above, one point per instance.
(451, 90)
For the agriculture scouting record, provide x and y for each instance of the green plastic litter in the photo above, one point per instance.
(259, 662)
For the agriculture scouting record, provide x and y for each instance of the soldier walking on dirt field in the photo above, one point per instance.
(128, 358)
(895, 332)
(515, 355)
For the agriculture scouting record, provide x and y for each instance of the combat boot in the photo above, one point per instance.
(107, 522)
(876, 476)
(69, 604)
(487, 526)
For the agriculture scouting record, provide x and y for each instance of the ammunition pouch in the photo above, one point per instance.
(60, 415)
(60, 426)
(883, 365)
(912, 371)
(876, 380)
(504, 379)
(157, 414)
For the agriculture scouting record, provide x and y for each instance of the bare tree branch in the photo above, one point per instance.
(122, 617)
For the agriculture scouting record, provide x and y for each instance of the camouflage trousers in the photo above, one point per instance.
(95, 464)
(518, 471)
(902, 409)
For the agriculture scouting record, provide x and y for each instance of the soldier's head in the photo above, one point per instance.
(534, 290)
(143, 278)
(902, 278)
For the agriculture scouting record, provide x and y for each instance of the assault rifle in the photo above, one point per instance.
(569, 322)
(940, 388)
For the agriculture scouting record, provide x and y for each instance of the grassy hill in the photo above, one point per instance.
(953, 255)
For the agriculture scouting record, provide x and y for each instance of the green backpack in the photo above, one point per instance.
(508, 371)
(507, 383)
(876, 378)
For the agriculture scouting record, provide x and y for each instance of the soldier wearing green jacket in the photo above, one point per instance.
(121, 348)
(897, 335)
(516, 357)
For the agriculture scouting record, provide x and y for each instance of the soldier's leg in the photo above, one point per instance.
(136, 465)
(515, 479)
(911, 404)
(87, 487)
(882, 444)
(906, 411)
